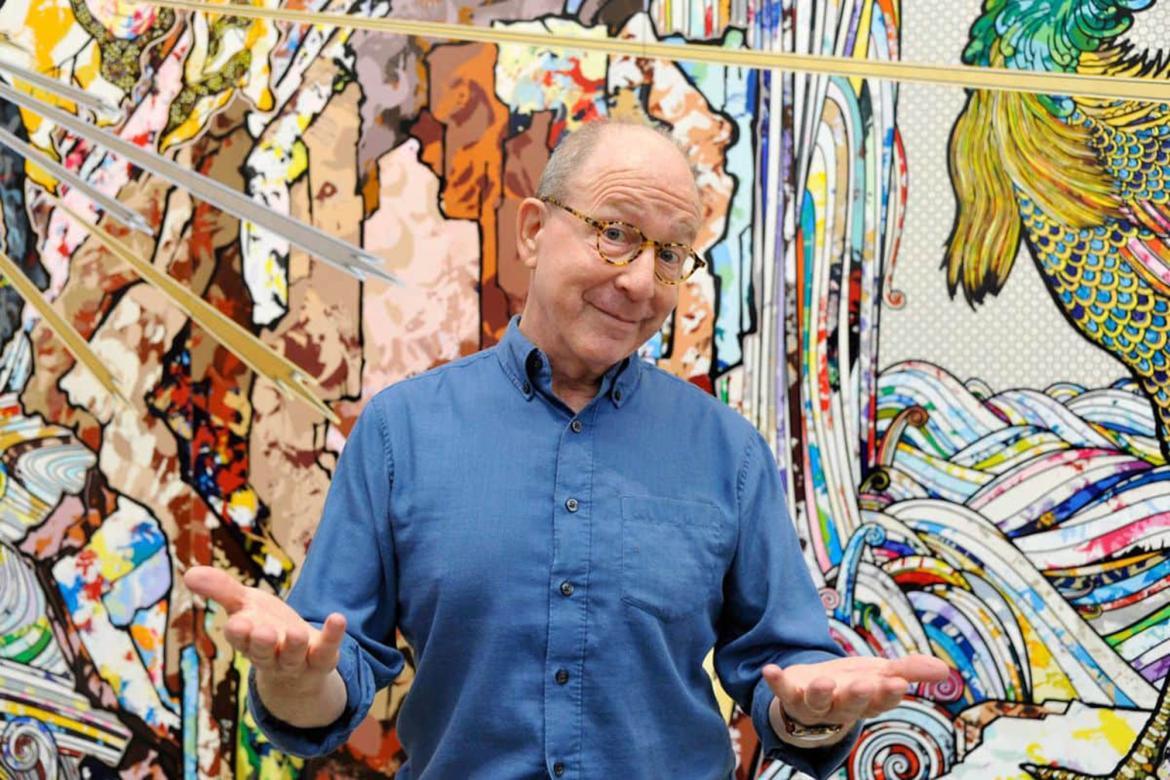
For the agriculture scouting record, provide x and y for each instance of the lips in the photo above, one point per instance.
(619, 317)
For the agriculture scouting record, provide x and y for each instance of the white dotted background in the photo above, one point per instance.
(1015, 339)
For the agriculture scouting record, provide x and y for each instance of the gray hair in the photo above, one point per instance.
(575, 148)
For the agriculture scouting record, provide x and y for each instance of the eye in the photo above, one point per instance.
(615, 234)
(670, 256)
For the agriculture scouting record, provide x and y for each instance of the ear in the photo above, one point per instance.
(530, 220)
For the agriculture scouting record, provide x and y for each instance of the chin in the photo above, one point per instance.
(603, 353)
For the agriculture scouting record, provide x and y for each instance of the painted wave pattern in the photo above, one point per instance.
(1019, 537)
(1014, 499)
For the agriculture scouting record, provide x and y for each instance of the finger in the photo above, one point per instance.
(262, 646)
(325, 647)
(782, 688)
(889, 695)
(853, 701)
(291, 655)
(238, 631)
(789, 694)
(818, 696)
(217, 585)
(918, 668)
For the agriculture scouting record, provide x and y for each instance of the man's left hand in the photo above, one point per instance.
(845, 690)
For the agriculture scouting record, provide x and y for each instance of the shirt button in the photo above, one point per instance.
(572, 505)
(566, 588)
(527, 388)
(617, 395)
(558, 769)
(576, 426)
(562, 676)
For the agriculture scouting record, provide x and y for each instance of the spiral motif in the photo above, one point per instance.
(898, 750)
(877, 481)
(875, 535)
(945, 691)
(830, 598)
(917, 416)
(27, 750)
(895, 299)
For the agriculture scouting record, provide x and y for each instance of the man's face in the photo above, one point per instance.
(586, 313)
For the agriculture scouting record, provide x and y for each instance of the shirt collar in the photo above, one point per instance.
(528, 368)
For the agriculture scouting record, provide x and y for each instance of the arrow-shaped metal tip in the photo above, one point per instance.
(366, 265)
(139, 223)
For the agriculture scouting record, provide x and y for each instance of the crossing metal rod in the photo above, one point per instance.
(77, 346)
(1106, 87)
(347, 257)
(128, 217)
(289, 379)
(58, 88)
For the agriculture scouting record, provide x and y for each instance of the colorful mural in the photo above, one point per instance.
(1017, 531)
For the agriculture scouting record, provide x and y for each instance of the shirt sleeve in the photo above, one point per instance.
(349, 569)
(772, 612)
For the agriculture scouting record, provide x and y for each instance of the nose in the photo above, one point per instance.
(637, 278)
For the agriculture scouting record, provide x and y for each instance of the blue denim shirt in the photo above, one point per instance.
(560, 577)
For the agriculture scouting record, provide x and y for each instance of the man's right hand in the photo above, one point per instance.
(295, 663)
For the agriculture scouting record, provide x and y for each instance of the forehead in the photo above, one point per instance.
(645, 181)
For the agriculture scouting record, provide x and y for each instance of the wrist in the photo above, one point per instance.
(304, 700)
(804, 735)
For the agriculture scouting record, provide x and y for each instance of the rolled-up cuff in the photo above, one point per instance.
(820, 762)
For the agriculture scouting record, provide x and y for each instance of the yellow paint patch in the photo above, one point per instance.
(299, 162)
(42, 177)
(1048, 680)
(244, 500)
(861, 51)
(88, 68)
(1035, 755)
(197, 119)
(1113, 729)
(112, 564)
(725, 702)
(50, 21)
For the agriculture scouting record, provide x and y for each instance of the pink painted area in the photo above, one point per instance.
(1157, 217)
(1151, 262)
(1122, 538)
(112, 173)
(1081, 458)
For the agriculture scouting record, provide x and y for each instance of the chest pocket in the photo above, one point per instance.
(672, 564)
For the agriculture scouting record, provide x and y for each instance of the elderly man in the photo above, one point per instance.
(562, 532)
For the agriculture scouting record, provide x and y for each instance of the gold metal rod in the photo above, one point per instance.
(258, 356)
(73, 341)
(1107, 87)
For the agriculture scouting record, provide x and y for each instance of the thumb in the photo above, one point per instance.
(782, 688)
(218, 586)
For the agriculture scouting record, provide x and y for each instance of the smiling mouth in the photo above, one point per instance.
(615, 317)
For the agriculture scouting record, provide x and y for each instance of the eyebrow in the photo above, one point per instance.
(626, 210)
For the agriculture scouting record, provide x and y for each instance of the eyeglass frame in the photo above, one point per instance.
(600, 225)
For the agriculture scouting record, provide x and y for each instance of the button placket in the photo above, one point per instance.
(569, 575)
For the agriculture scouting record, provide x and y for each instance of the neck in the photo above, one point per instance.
(573, 382)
